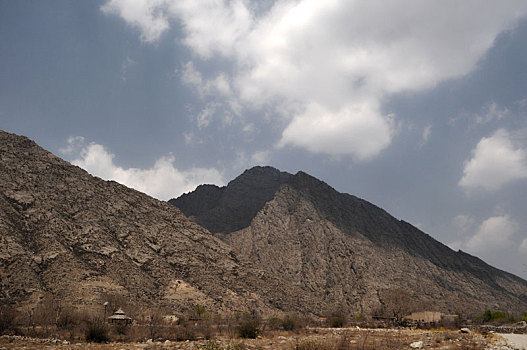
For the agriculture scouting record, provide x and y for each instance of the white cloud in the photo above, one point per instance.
(426, 135)
(261, 157)
(495, 162)
(341, 58)
(162, 181)
(456, 245)
(492, 112)
(523, 246)
(125, 66)
(147, 16)
(356, 129)
(220, 85)
(75, 143)
(462, 223)
(205, 116)
(494, 234)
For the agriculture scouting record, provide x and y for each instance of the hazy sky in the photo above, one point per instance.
(418, 106)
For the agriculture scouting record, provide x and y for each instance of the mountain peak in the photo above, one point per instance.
(296, 225)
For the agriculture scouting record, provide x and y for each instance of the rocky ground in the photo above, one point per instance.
(309, 339)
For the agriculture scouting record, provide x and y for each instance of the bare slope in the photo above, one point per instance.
(79, 238)
(343, 249)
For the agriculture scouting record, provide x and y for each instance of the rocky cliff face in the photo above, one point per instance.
(344, 250)
(66, 233)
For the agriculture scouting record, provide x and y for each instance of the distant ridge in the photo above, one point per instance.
(342, 248)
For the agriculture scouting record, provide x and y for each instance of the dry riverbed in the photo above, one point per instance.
(308, 339)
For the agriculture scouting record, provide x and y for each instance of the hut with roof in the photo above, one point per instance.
(119, 317)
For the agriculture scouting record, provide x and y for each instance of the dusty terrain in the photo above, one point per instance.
(518, 341)
(309, 339)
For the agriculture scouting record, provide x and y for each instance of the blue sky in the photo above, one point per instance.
(418, 107)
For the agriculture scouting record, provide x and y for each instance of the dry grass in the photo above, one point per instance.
(307, 339)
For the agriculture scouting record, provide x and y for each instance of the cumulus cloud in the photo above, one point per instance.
(494, 234)
(326, 66)
(495, 162)
(147, 16)
(163, 181)
(356, 129)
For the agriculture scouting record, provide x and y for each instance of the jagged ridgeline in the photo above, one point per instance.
(279, 242)
(76, 238)
(343, 250)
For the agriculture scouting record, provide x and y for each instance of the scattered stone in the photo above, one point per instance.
(417, 345)
(465, 331)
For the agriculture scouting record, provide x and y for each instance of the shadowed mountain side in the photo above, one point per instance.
(344, 249)
(232, 207)
(79, 238)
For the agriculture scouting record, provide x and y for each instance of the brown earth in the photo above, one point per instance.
(79, 239)
(345, 251)
(310, 339)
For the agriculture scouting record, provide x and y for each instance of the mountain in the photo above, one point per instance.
(343, 250)
(83, 240)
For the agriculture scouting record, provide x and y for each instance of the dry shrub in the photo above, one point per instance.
(274, 323)
(248, 329)
(336, 322)
(326, 344)
(186, 330)
(289, 322)
(7, 318)
(96, 331)
(249, 325)
(68, 319)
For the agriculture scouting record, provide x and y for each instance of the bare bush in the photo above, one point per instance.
(8, 316)
(249, 326)
(96, 331)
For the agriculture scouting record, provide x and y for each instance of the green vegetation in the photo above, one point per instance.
(494, 316)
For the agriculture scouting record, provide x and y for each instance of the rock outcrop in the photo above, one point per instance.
(78, 238)
(344, 250)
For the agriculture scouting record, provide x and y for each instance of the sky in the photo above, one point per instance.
(419, 107)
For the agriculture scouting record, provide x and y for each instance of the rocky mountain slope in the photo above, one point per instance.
(344, 250)
(80, 239)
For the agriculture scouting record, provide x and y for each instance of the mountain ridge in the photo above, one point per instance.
(80, 239)
(357, 225)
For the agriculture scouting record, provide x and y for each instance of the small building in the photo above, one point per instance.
(119, 317)
(423, 318)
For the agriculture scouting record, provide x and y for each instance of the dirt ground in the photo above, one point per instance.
(308, 339)
(518, 341)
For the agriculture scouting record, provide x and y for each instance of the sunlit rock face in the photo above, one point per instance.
(342, 249)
